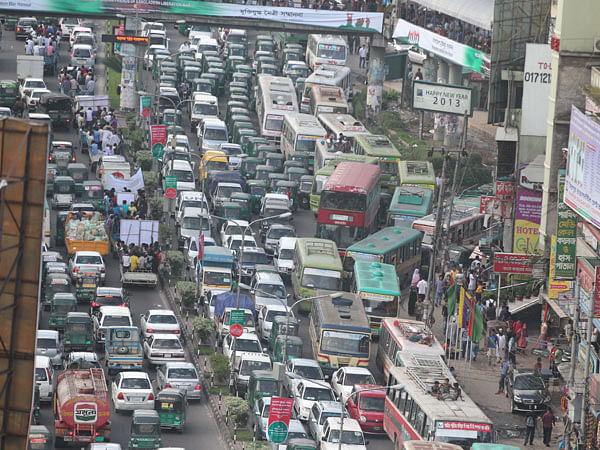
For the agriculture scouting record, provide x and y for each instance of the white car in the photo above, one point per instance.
(180, 375)
(29, 84)
(163, 348)
(83, 260)
(247, 342)
(132, 390)
(266, 316)
(33, 98)
(83, 55)
(234, 242)
(297, 369)
(415, 54)
(306, 393)
(76, 31)
(352, 435)
(236, 227)
(283, 259)
(319, 413)
(344, 379)
(159, 321)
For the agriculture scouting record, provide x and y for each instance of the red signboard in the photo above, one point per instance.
(505, 189)
(281, 410)
(236, 330)
(513, 263)
(171, 193)
(469, 426)
(496, 206)
(586, 275)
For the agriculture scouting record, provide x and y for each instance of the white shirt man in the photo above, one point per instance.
(422, 287)
(106, 140)
(29, 47)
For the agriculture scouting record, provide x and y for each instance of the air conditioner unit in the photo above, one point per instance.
(597, 45)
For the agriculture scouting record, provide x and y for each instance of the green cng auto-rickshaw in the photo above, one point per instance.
(249, 166)
(275, 160)
(263, 383)
(293, 348)
(170, 404)
(263, 171)
(86, 284)
(304, 191)
(258, 189)
(93, 193)
(245, 201)
(274, 178)
(280, 327)
(79, 333)
(80, 173)
(228, 210)
(254, 143)
(145, 430)
(52, 172)
(60, 305)
(64, 192)
(55, 283)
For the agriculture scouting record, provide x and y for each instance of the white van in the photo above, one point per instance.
(284, 256)
(212, 134)
(110, 316)
(204, 106)
(44, 377)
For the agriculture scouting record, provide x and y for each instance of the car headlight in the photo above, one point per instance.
(363, 419)
(547, 399)
(517, 397)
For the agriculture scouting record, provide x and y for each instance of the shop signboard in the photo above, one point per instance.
(555, 287)
(505, 189)
(528, 214)
(513, 263)
(537, 75)
(566, 237)
(589, 276)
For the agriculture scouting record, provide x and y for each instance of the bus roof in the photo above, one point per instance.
(411, 200)
(416, 172)
(350, 157)
(376, 277)
(460, 213)
(279, 92)
(385, 240)
(308, 122)
(324, 93)
(355, 177)
(377, 145)
(343, 313)
(328, 74)
(319, 253)
(342, 123)
(402, 330)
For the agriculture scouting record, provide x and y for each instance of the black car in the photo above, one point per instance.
(527, 392)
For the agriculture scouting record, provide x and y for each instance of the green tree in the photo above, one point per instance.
(220, 366)
(239, 411)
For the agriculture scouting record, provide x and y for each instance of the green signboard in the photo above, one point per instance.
(277, 432)
(566, 236)
(170, 182)
(237, 316)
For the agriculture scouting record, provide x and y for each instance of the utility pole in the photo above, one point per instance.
(574, 335)
(586, 378)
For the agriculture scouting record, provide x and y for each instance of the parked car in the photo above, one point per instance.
(526, 391)
(132, 390)
(180, 375)
(47, 343)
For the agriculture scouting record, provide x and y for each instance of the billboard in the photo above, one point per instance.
(513, 263)
(566, 236)
(528, 214)
(442, 98)
(536, 88)
(555, 287)
(369, 22)
(582, 190)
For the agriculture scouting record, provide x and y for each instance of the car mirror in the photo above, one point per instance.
(366, 442)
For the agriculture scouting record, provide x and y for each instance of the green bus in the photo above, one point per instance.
(398, 246)
(387, 156)
(321, 176)
(377, 286)
(317, 265)
(416, 173)
(339, 331)
(408, 204)
(9, 91)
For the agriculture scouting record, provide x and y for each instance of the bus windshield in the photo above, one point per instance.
(216, 278)
(345, 201)
(274, 122)
(321, 279)
(382, 307)
(331, 51)
(388, 167)
(342, 342)
(305, 144)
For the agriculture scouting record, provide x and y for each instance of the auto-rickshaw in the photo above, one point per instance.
(262, 150)
(232, 63)
(283, 187)
(55, 267)
(93, 193)
(61, 219)
(60, 305)
(304, 191)
(204, 85)
(267, 68)
(79, 333)
(191, 73)
(62, 160)
(220, 73)
(301, 444)
(207, 58)
(240, 98)
(263, 383)
(258, 189)
(280, 326)
(238, 90)
(299, 86)
(237, 50)
(145, 429)
(296, 173)
(249, 165)
(168, 80)
(171, 116)
(254, 142)
(236, 84)
(289, 163)
(235, 111)
(51, 256)
(245, 68)
(244, 122)
(260, 55)
(237, 125)
(39, 437)
(80, 173)
(275, 160)
(295, 71)
(9, 91)
(168, 71)
(262, 172)
(241, 76)
(86, 284)
(264, 43)
(170, 404)
(51, 173)
(242, 136)
(36, 404)
(228, 210)
(245, 200)
(306, 158)
(291, 54)
(214, 79)
(293, 348)
(274, 178)
(182, 60)
(64, 191)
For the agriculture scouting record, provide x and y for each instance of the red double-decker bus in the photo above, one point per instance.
(349, 203)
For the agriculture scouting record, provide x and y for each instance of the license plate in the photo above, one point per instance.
(167, 355)
(377, 428)
(99, 438)
(136, 399)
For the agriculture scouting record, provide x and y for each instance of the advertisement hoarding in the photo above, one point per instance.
(566, 237)
(505, 189)
(513, 263)
(554, 286)
(158, 140)
(582, 187)
(280, 414)
(528, 214)
(536, 88)
(442, 98)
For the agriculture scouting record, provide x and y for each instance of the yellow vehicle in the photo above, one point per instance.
(212, 160)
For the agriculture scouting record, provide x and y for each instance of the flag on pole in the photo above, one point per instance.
(451, 299)
(471, 300)
(477, 325)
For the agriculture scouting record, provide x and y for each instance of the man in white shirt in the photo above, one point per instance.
(29, 47)
(106, 140)
(422, 288)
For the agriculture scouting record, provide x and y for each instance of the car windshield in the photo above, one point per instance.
(276, 233)
(275, 290)
(267, 386)
(115, 321)
(215, 134)
(216, 278)
(40, 374)
(171, 344)
(35, 84)
(255, 258)
(325, 415)
(370, 403)
(226, 191)
(37, 94)
(529, 383)
(358, 378)
(88, 259)
(249, 365)
(207, 109)
(192, 223)
(286, 253)
(272, 314)
(81, 52)
(316, 394)
(135, 383)
(310, 372)
(163, 318)
(183, 175)
(297, 435)
(45, 343)
(247, 345)
(348, 437)
(192, 204)
(183, 373)
(216, 165)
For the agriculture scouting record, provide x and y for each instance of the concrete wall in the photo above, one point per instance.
(530, 147)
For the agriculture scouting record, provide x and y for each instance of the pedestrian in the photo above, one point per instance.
(492, 343)
(537, 367)
(422, 288)
(419, 309)
(512, 348)
(419, 76)
(522, 338)
(504, 371)
(529, 428)
(439, 290)
(444, 315)
(548, 421)
(500, 349)
(124, 208)
(89, 117)
(362, 56)
(126, 261)
(90, 86)
(29, 46)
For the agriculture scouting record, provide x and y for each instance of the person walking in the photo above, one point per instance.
(548, 421)
(422, 288)
(492, 343)
(501, 346)
(439, 290)
(504, 371)
(529, 429)
(362, 54)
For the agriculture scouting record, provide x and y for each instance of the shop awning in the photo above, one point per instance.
(521, 305)
(476, 12)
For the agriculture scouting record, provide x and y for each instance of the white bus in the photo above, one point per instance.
(336, 124)
(398, 339)
(300, 132)
(326, 49)
(275, 97)
(326, 75)
(413, 414)
(327, 99)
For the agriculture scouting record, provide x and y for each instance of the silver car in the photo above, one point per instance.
(48, 344)
(180, 375)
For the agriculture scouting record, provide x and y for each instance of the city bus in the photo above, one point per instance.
(326, 75)
(320, 176)
(275, 97)
(387, 155)
(377, 286)
(413, 414)
(399, 338)
(416, 173)
(326, 49)
(327, 99)
(398, 246)
(349, 203)
(300, 133)
(409, 204)
(47, 233)
(317, 265)
(339, 331)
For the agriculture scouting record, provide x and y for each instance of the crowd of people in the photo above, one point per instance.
(43, 41)
(99, 131)
(142, 258)
(446, 391)
(77, 81)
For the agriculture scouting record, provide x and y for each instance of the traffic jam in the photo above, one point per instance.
(298, 229)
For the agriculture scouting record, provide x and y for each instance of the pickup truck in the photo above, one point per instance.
(138, 278)
(123, 349)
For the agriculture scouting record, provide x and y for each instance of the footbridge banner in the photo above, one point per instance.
(363, 22)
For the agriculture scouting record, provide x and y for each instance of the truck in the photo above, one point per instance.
(191, 222)
(123, 349)
(227, 302)
(138, 232)
(86, 232)
(29, 66)
(215, 271)
(81, 408)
